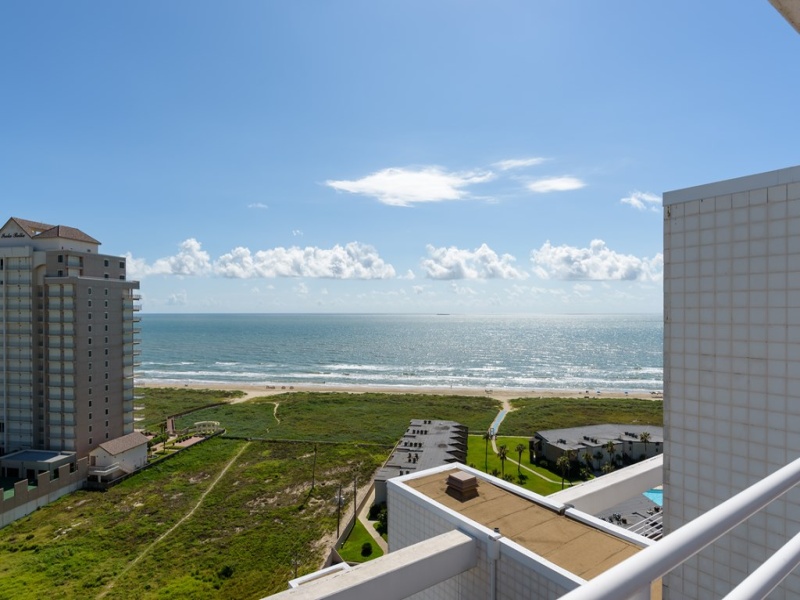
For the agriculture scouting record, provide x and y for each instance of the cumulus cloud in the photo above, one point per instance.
(191, 259)
(481, 263)
(177, 299)
(257, 205)
(405, 187)
(518, 163)
(352, 261)
(597, 262)
(555, 184)
(643, 201)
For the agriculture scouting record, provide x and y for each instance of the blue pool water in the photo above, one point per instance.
(656, 496)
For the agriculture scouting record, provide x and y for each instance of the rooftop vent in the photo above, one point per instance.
(462, 486)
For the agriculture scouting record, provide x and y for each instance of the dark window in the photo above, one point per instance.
(61, 258)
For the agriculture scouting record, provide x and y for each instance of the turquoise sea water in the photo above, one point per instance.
(591, 352)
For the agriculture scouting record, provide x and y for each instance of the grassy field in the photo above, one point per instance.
(534, 414)
(343, 417)
(161, 403)
(262, 517)
(239, 544)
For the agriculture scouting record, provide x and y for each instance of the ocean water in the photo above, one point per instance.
(587, 352)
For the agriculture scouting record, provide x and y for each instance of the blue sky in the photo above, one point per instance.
(386, 156)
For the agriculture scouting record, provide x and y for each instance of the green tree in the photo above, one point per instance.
(563, 464)
(587, 458)
(486, 437)
(520, 449)
(645, 438)
(610, 447)
(502, 452)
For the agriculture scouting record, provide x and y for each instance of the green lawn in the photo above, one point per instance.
(351, 549)
(476, 457)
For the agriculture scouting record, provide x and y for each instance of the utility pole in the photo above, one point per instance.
(339, 500)
(314, 468)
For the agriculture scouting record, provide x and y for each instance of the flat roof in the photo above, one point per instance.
(733, 186)
(577, 547)
(42, 456)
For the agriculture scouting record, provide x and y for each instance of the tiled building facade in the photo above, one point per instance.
(732, 367)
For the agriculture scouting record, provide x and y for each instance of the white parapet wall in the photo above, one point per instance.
(602, 493)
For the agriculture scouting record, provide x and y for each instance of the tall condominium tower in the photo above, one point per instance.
(67, 340)
(731, 367)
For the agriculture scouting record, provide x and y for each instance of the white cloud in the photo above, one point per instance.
(404, 187)
(352, 261)
(518, 163)
(418, 289)
(296, 232)
(555, 184)
(258, 205)
(597, 262)
(643, 201)
(191, 259)
(177, 299)
(462, 290)
(481, 263)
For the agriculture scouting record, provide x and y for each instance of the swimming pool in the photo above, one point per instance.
(657, 496)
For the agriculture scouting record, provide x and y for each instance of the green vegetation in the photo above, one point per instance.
(476, 457)
(161, 403)
(351, 550)
(262, 520)
(239, 544)
(343, 417)
(535, 414)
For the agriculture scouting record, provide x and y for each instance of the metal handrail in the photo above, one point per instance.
(636, 574)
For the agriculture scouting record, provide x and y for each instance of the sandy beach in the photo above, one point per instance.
(253, 391)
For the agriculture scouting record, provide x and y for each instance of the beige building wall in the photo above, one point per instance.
(731, 367)
(68, 348)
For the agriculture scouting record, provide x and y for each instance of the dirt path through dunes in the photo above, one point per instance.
(146, 551)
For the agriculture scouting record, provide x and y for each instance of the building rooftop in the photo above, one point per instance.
(576, 438)
(124, 443)
(579, 548)
(426, 444)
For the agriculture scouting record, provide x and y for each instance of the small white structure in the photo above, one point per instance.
(117, 457)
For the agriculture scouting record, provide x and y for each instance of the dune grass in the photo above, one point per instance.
(343, 417)
(536, 414)
(161, 403)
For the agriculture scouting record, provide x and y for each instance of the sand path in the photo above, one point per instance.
(166, 534)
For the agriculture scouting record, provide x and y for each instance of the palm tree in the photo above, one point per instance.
(520, 449)
(563, 464)
(486, 437)
(607, 468)
(610, 448)
(502, 452)
(587, 458)
(645, 437)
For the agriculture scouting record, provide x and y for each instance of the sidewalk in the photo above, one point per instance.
(369, 525)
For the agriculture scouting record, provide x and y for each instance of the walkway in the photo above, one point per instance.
(369, 525)
(507, 408)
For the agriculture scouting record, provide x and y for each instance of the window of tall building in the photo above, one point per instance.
(89, 291)
(122, 264)
(105, 316)
(105, 262)
(106, 303)
(89, 341)
(89, 304)
(106, 291)
(90, 315)
(105, 275)
(61, 258)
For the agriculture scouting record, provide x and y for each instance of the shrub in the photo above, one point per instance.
(366, 549)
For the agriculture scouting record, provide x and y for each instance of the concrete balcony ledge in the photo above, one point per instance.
(393, 576)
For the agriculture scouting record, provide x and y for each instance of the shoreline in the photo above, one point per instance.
(253, 391)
